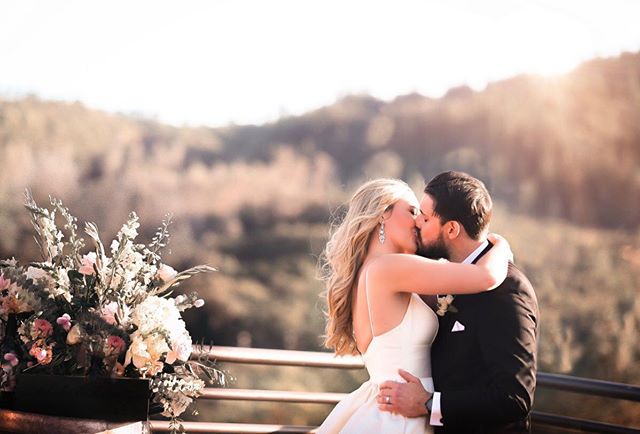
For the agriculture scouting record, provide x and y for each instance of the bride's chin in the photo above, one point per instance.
(412, 249)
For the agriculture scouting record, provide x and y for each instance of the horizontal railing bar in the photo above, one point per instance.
(263, 356)
(245, 428)
(589, 386)
(328, 360)
(580, 424)
(272, 395)
(537, 417)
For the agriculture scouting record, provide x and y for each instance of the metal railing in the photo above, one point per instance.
(326, 360)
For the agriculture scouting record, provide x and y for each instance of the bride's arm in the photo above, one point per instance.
(412, 273)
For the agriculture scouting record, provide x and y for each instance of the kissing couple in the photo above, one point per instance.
(448, 335)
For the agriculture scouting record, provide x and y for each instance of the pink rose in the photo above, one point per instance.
(114, 345)
(88, 261)
(41, 328)
(64, 321)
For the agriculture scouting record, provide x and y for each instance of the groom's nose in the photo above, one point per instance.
(419, 221)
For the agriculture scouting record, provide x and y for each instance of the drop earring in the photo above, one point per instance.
(381, 233)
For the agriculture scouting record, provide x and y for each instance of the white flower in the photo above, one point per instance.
(137, 352)
(145, 352)
(108, 312)
(51, 233)
(180, 347)
(62, 285)
(115, 245)
(157, 346)
(131, 231)
(166, 272)
(148, 272)
(130, 228)
(157, 312)
(40, 276)
(155, 318)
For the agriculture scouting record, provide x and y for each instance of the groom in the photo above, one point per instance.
(484, 356)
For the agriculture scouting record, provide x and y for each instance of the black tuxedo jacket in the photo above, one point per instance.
(487, 373)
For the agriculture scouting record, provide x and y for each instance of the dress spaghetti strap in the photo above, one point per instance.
(366, 294)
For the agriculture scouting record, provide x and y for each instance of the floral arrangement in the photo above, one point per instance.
(100, 314)
(445, 304)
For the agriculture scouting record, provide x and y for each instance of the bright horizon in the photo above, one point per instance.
(219, 62)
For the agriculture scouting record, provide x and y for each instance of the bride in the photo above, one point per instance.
(373, 280)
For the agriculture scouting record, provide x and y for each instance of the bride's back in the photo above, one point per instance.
(375, 312)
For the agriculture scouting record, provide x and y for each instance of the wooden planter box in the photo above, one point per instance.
(108, 399)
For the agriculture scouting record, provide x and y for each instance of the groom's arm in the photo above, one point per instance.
(506, 326)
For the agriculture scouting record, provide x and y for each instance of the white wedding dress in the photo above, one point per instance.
(406, 346)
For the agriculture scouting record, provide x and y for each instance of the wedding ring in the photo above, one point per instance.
(388, 400)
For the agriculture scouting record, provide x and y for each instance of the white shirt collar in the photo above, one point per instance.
(469, 259)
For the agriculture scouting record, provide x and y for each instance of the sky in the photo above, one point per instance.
(217, 62)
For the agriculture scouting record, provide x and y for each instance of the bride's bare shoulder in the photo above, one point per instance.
(386, 266)
(394, 260)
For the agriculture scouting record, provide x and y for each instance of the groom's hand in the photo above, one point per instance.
(406, 399)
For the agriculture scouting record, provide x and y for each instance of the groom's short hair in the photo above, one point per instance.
(461, 197)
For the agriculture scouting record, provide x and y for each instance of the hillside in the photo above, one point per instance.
(540, 143)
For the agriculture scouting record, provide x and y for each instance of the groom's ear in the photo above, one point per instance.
(452, 229)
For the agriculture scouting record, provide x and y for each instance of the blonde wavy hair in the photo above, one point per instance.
(345, 252)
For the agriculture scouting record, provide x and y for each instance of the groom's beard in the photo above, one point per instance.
(433, 250)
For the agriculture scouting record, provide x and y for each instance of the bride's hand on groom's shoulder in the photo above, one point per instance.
(501, 242)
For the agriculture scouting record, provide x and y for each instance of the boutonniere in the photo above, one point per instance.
(445, 304)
